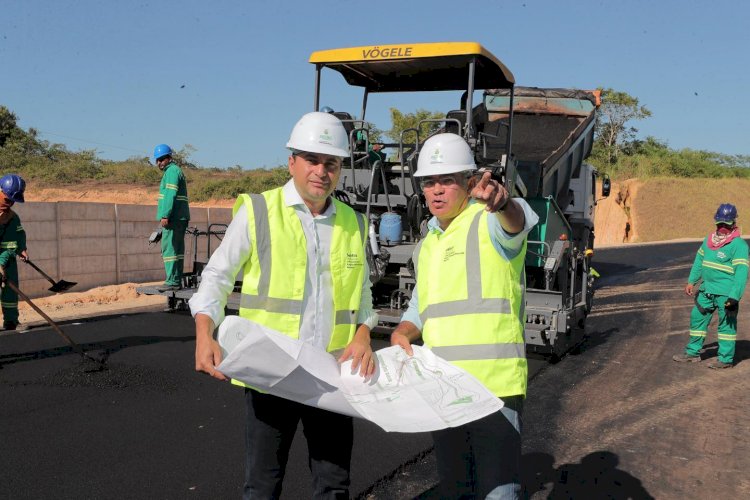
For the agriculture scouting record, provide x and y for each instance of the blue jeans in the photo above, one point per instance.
(482, 459)
(270, 428)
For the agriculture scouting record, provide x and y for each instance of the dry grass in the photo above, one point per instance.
(667, 209)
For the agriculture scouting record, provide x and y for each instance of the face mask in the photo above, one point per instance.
(5, 204)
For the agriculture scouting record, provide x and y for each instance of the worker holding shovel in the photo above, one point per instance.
(12, 243)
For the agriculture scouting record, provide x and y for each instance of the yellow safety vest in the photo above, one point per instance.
(273, 285)
(471, 302)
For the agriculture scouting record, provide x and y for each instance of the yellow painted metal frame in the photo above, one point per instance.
(395, 67)
(402, 51)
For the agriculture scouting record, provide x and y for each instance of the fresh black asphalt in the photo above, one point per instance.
(151, 427)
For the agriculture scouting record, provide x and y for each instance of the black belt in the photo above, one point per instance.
(702, 310)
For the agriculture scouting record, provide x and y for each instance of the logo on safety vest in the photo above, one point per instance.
(721, 255)
(352, 260)
(450, 252)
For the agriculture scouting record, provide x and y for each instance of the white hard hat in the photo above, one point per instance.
(318, 132)
(444, 154)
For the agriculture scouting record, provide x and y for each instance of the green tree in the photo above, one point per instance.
(612, 130)
(374, 134)
(182, 156)
(8, 124)
(402, 121)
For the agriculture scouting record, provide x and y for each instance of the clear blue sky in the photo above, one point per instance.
(108, 75)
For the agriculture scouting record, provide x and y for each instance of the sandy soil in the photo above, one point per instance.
(99, 301)
(110, 193)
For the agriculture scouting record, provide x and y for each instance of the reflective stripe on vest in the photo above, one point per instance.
(278, 305)
(471, 302)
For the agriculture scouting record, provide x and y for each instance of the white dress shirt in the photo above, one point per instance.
(218, 277)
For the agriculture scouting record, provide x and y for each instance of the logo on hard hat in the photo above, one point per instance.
(436, 157)
(325, 137)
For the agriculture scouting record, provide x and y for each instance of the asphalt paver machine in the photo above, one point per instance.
(533, 140)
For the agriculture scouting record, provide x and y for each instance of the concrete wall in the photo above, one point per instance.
(98, 244)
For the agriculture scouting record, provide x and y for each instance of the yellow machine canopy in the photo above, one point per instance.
(416, 67)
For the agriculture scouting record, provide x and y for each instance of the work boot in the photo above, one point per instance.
(719, 365)
(684, 358)
(9, 325)
(169, 288)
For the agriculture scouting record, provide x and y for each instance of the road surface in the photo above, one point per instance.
(618, 418)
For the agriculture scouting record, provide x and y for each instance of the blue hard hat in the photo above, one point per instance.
(726, 213)
(13, 187)
(162, 150)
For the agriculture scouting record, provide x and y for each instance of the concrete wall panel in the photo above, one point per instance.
(137, 212)
(138, 246)
(78, 265)
(77, 247)
(90, 236)
(40, 230)
(86, 281)
(137, 229)
(220, 215)
(33, 211)
(70, 210)
(42, 250)
(87, 228)
(134, 262)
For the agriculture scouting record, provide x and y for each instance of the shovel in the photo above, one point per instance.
(57, 329)
(57, 286)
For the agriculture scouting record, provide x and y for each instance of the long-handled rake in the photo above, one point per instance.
(54, 326)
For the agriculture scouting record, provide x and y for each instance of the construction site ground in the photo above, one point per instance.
(616, 419)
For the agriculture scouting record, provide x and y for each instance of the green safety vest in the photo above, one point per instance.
(273, 284)
(471, 302)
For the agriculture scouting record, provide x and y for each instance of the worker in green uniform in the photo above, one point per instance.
(722, 264)
(12, 244)
(173, 214)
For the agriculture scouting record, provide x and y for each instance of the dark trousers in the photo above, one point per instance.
(482, 459)
(270, 428)
(8, 297)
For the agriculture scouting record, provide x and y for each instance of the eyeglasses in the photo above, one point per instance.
(443, 180)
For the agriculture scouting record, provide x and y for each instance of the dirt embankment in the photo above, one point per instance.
(110, 193)
(613, 218)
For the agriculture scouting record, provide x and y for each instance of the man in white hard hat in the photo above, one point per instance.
(302, 253)
(468, 307)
